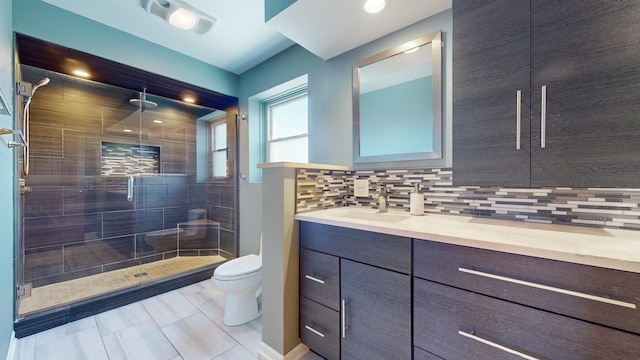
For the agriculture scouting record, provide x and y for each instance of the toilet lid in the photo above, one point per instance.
(239, 266)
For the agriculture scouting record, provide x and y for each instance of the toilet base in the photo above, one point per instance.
(241, 309)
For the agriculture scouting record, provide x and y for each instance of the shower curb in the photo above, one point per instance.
(36, 323)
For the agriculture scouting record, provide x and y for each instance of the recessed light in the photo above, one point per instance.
(81, 73)
(183, 19)
(157, 121)
(189, 100)
(127, 130)
(374, 6)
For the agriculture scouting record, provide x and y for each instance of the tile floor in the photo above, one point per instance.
(182, 324)
(66, 292)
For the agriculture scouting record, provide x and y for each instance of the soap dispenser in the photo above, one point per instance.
(416, 202)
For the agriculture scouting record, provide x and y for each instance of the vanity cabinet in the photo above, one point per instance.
(479, 304)
(355, 293)
(545, 93)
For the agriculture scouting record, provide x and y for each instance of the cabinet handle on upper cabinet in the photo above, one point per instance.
(495, 345)
(518, 116)
(543, 117)
(344, 318)
(549, 288)
(314, 279)
(314, 330)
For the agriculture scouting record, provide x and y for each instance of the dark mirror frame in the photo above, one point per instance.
(407, 160)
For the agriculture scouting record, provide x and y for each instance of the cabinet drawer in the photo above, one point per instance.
(320, 278)
(320, 328)
(604, 296)
(385, 251)
(459, 324)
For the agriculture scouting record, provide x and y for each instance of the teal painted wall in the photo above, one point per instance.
(274, 7)
(330, 86)
(44, 21)
(7, 166)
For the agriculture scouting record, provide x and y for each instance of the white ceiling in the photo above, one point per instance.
(241, 39)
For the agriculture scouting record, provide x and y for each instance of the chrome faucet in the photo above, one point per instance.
(382, 200)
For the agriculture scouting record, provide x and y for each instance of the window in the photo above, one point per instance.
(218, 152)
(286, 123)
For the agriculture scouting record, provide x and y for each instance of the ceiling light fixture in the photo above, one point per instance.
(189, 100)
(374, 6)
(181, 15)
(183, 19)
(81, 73)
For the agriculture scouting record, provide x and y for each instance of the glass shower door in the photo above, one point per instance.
(77, 225)
(122, 192)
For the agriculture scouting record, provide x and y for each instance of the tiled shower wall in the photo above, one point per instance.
(602, 207)
(76, 220)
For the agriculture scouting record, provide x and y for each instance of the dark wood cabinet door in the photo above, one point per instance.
(490, 65)
(377, 312)
(587, 53)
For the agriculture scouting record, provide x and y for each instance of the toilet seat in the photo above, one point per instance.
(239, 268)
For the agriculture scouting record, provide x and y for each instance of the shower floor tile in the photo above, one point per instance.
(67, 292)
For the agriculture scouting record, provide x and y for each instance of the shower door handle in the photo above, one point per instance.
(130, 188)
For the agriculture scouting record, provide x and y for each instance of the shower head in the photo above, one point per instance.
(142, 101)
(40, 83)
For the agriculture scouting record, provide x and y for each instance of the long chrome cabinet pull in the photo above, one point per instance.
(314, 279)
(550, 288)
(130, 188)
(543, 118)
(498, 346)
(314, 331)
(344, 318)
(518, 117)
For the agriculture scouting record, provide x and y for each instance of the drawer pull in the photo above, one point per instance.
(498, 346)
(314, 331)
(543, 118)
(344, 318)
(550, 288)
(518, 117)
(314, 279)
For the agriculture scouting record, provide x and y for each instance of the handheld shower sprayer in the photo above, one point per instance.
(42, 82)
(25, 125)
(35, 87)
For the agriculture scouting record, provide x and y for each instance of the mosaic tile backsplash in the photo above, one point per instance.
(601, 207)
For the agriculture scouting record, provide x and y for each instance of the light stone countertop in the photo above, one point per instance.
(609, 248)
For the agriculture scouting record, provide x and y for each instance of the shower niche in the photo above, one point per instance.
(123, 193)
(127, 159)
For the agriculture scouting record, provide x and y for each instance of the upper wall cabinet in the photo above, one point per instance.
(546, 93)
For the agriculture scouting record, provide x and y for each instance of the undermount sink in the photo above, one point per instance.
(374, 216)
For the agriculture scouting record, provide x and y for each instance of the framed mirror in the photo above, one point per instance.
(397, 106)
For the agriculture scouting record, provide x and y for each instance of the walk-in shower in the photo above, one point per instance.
(120, 196)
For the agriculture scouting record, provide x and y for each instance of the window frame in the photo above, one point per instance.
(212, 150)
(266, 106)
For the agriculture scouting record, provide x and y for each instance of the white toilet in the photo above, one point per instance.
(241, 280)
